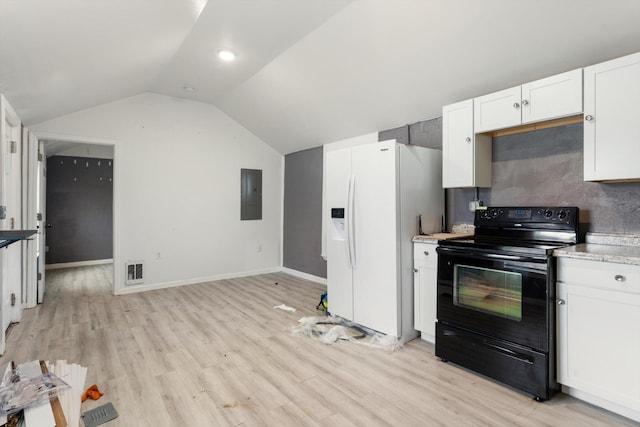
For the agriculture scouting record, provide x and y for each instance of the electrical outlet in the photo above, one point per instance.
(158, 255)
(474, 205)
(259, 248)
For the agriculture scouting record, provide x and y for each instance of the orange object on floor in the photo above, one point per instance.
(92, 392)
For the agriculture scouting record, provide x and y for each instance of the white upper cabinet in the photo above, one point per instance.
(466, 157)
(497, 110)
(611, 112)
(544, 99)
(553, 97)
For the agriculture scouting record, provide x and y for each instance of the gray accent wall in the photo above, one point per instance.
(302, 234)
(427, 133)
(79, 209)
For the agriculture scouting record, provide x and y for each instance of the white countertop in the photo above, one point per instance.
(605, 247)
(436, 237)
(605, 253)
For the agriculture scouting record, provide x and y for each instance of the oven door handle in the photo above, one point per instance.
(488, 255)
(509, 353)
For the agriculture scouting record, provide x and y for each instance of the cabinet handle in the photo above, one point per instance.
(415, 270)
(467, 139)
(426, 253)
(561, 301)
(619, 278)
(588, 117)
(525, 102)
(516, 105)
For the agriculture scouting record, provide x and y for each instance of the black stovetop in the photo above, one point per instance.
(503, 246)
(528, 230)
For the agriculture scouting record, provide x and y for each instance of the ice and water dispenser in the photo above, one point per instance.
(337, 224)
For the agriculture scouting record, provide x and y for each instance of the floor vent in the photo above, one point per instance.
(134, 272)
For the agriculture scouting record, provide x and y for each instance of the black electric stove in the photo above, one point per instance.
(496, 295)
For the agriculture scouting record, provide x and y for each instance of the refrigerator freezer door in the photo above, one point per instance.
(375, 274)
(339, 274)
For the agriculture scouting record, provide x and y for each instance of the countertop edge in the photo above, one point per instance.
(434, 238)
(618, 254)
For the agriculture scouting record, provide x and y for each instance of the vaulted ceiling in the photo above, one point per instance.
(308, 72)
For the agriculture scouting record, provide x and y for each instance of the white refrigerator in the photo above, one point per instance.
(375, 193)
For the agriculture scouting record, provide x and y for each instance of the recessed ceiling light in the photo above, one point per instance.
(226, 55)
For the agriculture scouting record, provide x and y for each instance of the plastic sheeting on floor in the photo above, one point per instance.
(329, 329)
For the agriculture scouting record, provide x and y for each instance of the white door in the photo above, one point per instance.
(10, 257)
(339, 274)
(29, 216)
(41, 239)
(375, 283)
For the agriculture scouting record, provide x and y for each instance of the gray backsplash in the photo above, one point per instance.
(542, 167)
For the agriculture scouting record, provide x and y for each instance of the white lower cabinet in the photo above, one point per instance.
(425, 277)
(598, 323)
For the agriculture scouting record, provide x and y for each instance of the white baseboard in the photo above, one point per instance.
(77, 264)
(132, 289)
(306, 276)
(603, 403)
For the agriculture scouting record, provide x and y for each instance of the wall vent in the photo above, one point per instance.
(134, 272)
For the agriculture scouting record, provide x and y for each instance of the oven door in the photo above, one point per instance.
(500, 296)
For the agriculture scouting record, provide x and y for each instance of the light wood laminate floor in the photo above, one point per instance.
(219, 354)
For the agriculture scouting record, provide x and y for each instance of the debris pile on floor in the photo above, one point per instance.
(329, 329)
(41, 394)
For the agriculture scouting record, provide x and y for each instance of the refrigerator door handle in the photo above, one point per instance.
(350, 220)
(347, 222)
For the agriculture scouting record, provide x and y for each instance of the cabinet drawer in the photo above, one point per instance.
(602, 275)
(425, 254)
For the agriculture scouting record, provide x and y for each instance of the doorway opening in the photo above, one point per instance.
(76, 195)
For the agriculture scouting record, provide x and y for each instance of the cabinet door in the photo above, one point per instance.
(466, 157)
(611, 111)
(553, 97)
(425, 265)
(497, 110)
(599, 342)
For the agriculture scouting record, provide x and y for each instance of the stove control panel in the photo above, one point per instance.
(527, 216)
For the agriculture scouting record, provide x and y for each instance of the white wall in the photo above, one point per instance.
(177, 189)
